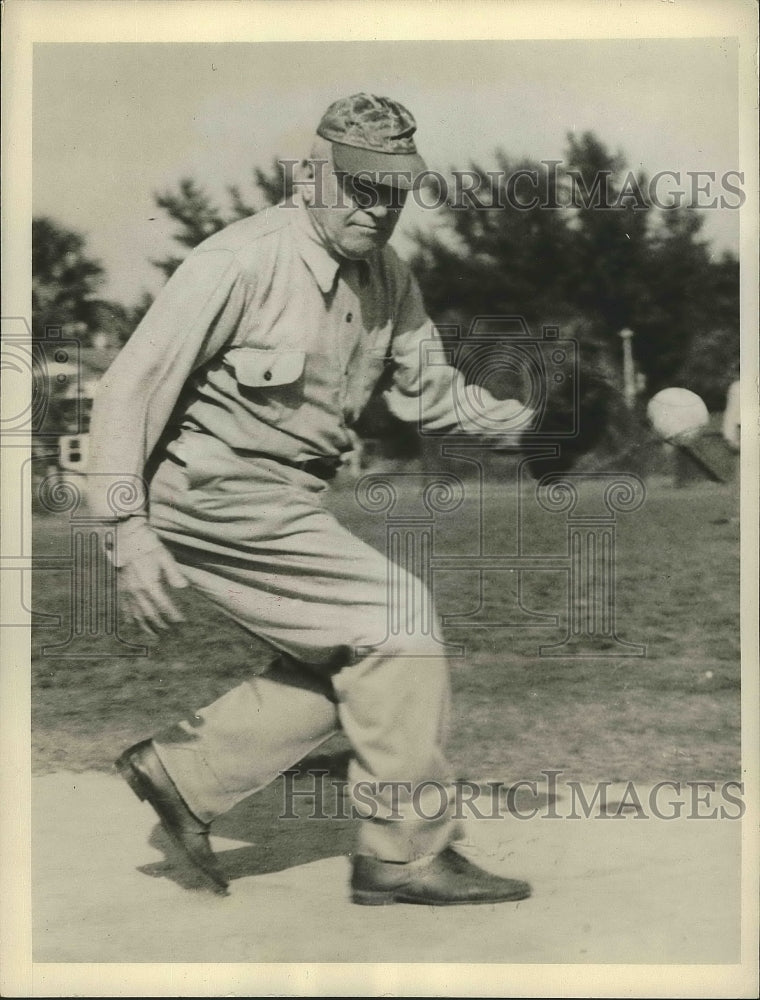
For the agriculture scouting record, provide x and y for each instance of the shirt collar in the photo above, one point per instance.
(322, 264)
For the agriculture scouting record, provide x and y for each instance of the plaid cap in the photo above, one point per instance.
(373, 135)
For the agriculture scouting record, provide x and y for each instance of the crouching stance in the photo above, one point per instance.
(234, 398)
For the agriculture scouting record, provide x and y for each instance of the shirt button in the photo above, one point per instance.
(349, 317)
(267, 375)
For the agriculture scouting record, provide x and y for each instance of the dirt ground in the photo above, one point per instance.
(108, 887)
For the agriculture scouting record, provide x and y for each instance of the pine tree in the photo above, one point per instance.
(65, 279)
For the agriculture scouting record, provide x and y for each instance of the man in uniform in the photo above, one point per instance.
(235, 397)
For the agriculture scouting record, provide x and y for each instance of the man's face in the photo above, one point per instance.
(354, 215)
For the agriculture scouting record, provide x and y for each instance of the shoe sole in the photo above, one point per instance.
(137, 783)
(368, 897)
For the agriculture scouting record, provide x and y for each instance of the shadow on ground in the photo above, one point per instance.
(282, 834)
(287, 831)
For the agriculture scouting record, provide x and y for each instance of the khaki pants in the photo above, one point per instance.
(255, 538)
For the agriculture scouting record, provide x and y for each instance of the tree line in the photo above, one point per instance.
(590, 271)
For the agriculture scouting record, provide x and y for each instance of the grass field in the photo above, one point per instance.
(673, 714)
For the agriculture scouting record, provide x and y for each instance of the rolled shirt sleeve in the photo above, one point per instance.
(193, 317)
(429, 391)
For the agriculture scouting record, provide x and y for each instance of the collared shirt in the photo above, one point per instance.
(264, 342)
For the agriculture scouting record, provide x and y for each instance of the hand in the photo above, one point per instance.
(143, 582)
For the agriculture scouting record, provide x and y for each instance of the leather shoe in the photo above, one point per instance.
(448, 879)
(142, 769)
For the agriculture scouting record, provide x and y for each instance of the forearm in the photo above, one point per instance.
(193, 317)
(117, 452)
(440, 400)
(428, 391)
(117, 458)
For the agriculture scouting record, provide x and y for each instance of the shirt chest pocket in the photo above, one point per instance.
(269, 383)
(256, 368)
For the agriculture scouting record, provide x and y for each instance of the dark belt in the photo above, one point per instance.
(323, 468)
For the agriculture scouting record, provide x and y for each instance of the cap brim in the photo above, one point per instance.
(399, 170)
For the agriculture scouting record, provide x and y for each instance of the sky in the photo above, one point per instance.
(113, 123)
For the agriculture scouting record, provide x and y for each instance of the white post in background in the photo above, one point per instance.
(629, 372)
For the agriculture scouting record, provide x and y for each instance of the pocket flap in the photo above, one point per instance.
(255, 367)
